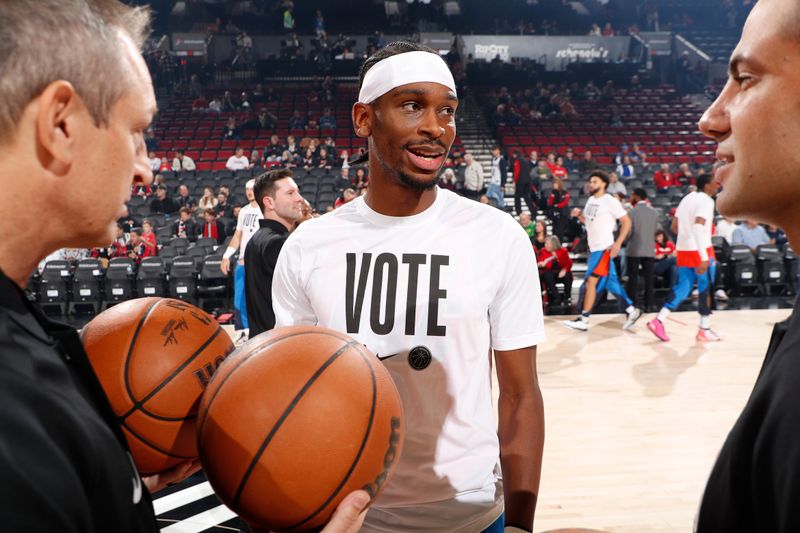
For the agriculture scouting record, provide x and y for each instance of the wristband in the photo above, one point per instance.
(512, 529)
(229, 251)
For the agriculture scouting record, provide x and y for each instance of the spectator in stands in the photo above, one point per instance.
(555, 265)
(238, 161)
(224, 209)
(150, 140)
(200, 103)
(325, 159)
(291, 145)
(231, 131)
(637, 155)
(185, 227)
(616, 187)
(267, 121)
(212, 227)
(587, 163)
(639, 250)
(256, 160)
(777, 237)
(309, 159)
(136, 249)
(542, 171)
(751, 234)
(540, 235)
(182, 162)
(527, 224)
(361, 180)
(273, 152)
(227, 102)
(155, 162)
(619, 156)
(523, 187)
(346, 196)
(559, 170)
(665, 256)
(215, 105)
(448, 180)
(163, 203)
(576, 232)
(558, 206)
(570, 163)
(149, 239)
(244, 102)
(473, 177)
(595, 30)
(724, 228)
(498, 177)
(625, 170)
(208, 200)
(297, 121)
(165, 165)
(664, 179)
(327, 120)
(183, 199)
(685, 176)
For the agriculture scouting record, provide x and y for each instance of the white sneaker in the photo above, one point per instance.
(707, 335)
(632, 318)
(577, 324)
(695, 294)
(721, 295)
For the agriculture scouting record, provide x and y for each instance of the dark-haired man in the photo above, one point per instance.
(600, 216)
(411, 271)
(280, 201)
(755, 483)
(640, 250)
(692, 223)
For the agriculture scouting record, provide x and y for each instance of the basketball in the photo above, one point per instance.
(295, 420)
(154, 357)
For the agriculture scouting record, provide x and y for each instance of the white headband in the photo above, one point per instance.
(402, 69)
(250, 184)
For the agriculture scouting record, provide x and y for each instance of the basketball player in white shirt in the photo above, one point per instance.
(600, 217)
(246, 226)
(696, 261)
(430, 282)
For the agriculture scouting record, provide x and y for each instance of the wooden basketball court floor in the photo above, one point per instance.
(633, 425)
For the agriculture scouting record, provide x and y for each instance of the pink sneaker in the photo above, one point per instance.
(707, 335)
(658, 330)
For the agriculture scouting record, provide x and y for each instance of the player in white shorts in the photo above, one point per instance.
(431, 283)
(246, 226)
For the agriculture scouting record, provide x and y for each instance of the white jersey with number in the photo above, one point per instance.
(693, 205)
(601, 215)
(247, 223)
(447, 285)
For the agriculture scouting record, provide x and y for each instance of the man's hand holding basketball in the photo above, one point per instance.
(170, 477)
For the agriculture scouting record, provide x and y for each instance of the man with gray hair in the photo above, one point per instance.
(473, 177)
(75, 100)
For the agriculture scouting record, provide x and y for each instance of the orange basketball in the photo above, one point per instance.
(295, 420)
(154, 357)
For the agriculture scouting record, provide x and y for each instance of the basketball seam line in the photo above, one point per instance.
(254, 350)
(285, 415)
(132, 345)
(360, 450)
(154, 446)
(139, 404)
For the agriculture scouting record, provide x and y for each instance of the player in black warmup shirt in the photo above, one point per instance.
(755, 483)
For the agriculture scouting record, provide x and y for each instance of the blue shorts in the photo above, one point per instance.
(603, 267)
(497, 526)
(239, 301)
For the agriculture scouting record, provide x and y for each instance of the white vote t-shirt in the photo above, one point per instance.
(474, 286)
(601, 216)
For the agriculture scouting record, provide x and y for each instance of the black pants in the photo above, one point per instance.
(633, 264)
(523, 191)
(550, 278)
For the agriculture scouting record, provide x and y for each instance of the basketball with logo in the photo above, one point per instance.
(154, 357)
(295, 420)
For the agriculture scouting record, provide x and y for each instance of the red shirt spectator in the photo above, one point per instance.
(560, 260)
(664, 250)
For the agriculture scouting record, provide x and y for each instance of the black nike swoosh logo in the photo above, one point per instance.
(387, 356)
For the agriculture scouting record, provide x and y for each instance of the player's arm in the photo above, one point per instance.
(625, 225)
(521, 433)
(702, 241)
(225, 265)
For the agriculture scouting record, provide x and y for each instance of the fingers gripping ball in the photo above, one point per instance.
(294, 421)
(154, 357)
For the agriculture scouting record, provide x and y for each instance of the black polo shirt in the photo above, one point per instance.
(754, 486)
(260, 257)
(64, 462)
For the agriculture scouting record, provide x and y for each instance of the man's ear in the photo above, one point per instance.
(363, 116)
(58, 115)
